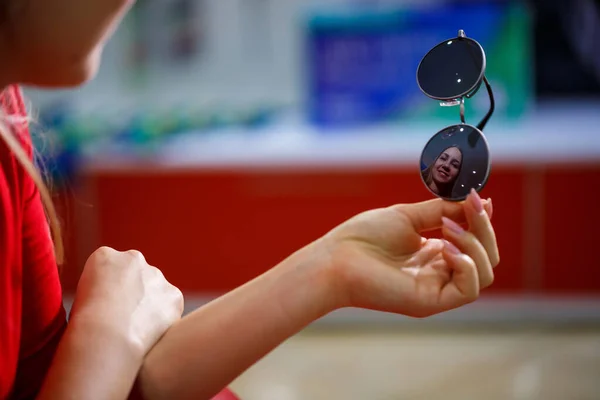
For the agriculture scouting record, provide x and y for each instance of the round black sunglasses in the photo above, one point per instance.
(457, 158)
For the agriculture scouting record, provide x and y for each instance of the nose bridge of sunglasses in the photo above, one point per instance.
(458, 102)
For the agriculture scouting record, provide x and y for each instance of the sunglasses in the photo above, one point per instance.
(457, 158)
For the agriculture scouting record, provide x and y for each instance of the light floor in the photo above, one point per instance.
(437, 363)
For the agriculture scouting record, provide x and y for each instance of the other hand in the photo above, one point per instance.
(120, 291)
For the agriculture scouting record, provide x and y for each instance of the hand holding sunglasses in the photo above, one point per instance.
(457, 158)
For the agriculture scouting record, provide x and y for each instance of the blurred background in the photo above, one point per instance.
(221, 135)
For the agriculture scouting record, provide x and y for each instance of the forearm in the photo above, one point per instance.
(210, 347)
(92, 362)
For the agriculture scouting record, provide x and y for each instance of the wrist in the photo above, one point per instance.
(98, 327)
(313, 278)
(92, 359)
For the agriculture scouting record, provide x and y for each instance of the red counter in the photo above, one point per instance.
(210, 229)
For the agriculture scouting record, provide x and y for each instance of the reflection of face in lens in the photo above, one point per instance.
(441, 175)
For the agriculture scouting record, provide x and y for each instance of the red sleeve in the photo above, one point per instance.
(43, 314)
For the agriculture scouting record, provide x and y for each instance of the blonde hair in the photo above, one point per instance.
(20, 154)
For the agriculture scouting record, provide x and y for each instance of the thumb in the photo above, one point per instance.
(427, 215)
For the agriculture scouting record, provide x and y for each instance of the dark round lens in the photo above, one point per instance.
(454, 161)
(451, 69)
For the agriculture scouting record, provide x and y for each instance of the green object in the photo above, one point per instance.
(509, 69)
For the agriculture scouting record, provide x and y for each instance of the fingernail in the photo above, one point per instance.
(451, 248)
(452, 226)
(491, 207)
(476, 201)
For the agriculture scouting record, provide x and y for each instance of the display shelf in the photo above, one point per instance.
(553, 133)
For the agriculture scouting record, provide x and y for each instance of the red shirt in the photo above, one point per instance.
(32, 317)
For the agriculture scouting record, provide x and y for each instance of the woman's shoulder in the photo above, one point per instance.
(35, 294)
(10, 243)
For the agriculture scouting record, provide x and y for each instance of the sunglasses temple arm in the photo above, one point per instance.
(485, 119)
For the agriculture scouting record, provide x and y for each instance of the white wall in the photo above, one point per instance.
(253, 52)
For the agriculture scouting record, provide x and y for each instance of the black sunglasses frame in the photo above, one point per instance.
(460, 98)
(477, 131)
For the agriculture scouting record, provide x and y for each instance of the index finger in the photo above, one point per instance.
(427, 215)
(481, 227)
